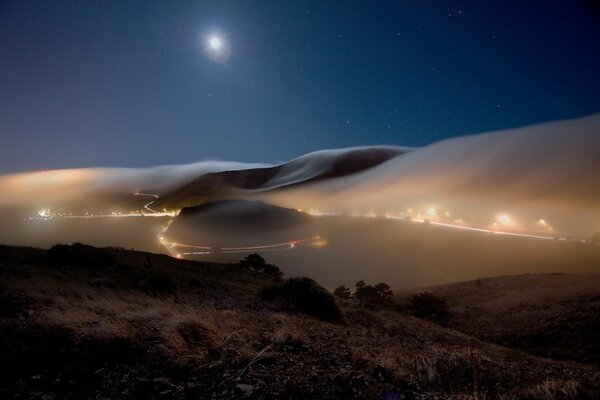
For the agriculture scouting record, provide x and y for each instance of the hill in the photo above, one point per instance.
(238, 222)
(551, 315)
(241, 215)
(313, 167)
(80, 322)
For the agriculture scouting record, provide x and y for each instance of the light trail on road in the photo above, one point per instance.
(487, 230)
(46, 214)
(178, 249)
(147, 206)
(316, 241)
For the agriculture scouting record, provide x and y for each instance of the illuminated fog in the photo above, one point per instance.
(429, 215)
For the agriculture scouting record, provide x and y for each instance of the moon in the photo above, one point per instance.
(215, 42)
(217, 48)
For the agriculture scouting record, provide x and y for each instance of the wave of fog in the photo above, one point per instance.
(46, 188)
(312, 165)
(547, 171)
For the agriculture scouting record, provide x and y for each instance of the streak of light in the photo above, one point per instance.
(289, 245)
(147, 206)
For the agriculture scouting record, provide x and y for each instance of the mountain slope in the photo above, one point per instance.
(318, 166)
(566, 308)
(89, 323)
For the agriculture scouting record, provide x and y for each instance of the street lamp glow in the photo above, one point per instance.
(504, 219)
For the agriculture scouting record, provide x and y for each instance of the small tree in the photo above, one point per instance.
(377, 294)
(384, 290)
(305, 296)
(368, 294)
(255, 262)
(342, 292)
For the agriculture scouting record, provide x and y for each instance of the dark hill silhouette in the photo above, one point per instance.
(321, 165)
(234, 223)
(242, 215)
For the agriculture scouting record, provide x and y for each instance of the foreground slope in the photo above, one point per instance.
(84, 322)
(552, 315)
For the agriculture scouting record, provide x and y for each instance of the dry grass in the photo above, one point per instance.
(207, 328)
(565, 308)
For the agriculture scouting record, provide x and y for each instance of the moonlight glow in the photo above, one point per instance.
(215, 42)
(217, 48)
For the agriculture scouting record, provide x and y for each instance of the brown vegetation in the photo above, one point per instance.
(73, 329)
(550, 315)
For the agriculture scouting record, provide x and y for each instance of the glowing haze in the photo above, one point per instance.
(536, 172)
(513, 178)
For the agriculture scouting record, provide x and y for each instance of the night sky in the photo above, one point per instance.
(131, 83)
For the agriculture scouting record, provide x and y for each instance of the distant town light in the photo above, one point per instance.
(504, 219)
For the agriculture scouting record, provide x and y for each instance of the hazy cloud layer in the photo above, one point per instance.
(550, 170)
(45, 188)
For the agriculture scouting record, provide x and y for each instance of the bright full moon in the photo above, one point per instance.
(215, 43)
(217, 48)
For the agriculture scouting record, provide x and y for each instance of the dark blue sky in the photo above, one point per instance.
(129, 83)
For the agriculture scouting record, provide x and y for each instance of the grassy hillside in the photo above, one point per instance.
(551, 315)
(81, 322)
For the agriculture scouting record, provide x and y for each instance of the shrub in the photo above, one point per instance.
(384, 290)
(430, 306)
(342, 292)
(377, 294)
(255, 262)
(305, 296)
(368, 294)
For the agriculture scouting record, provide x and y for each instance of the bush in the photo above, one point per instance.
(430, 306)
(305, 296)
(255, 262)
(368, 294)
(384, 290)
(377, 294)
(342, 292)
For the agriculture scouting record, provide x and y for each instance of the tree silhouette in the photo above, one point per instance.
(384, 290)
(255, 262)
(342, 292)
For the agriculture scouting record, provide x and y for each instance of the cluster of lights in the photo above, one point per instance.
(434, 214)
